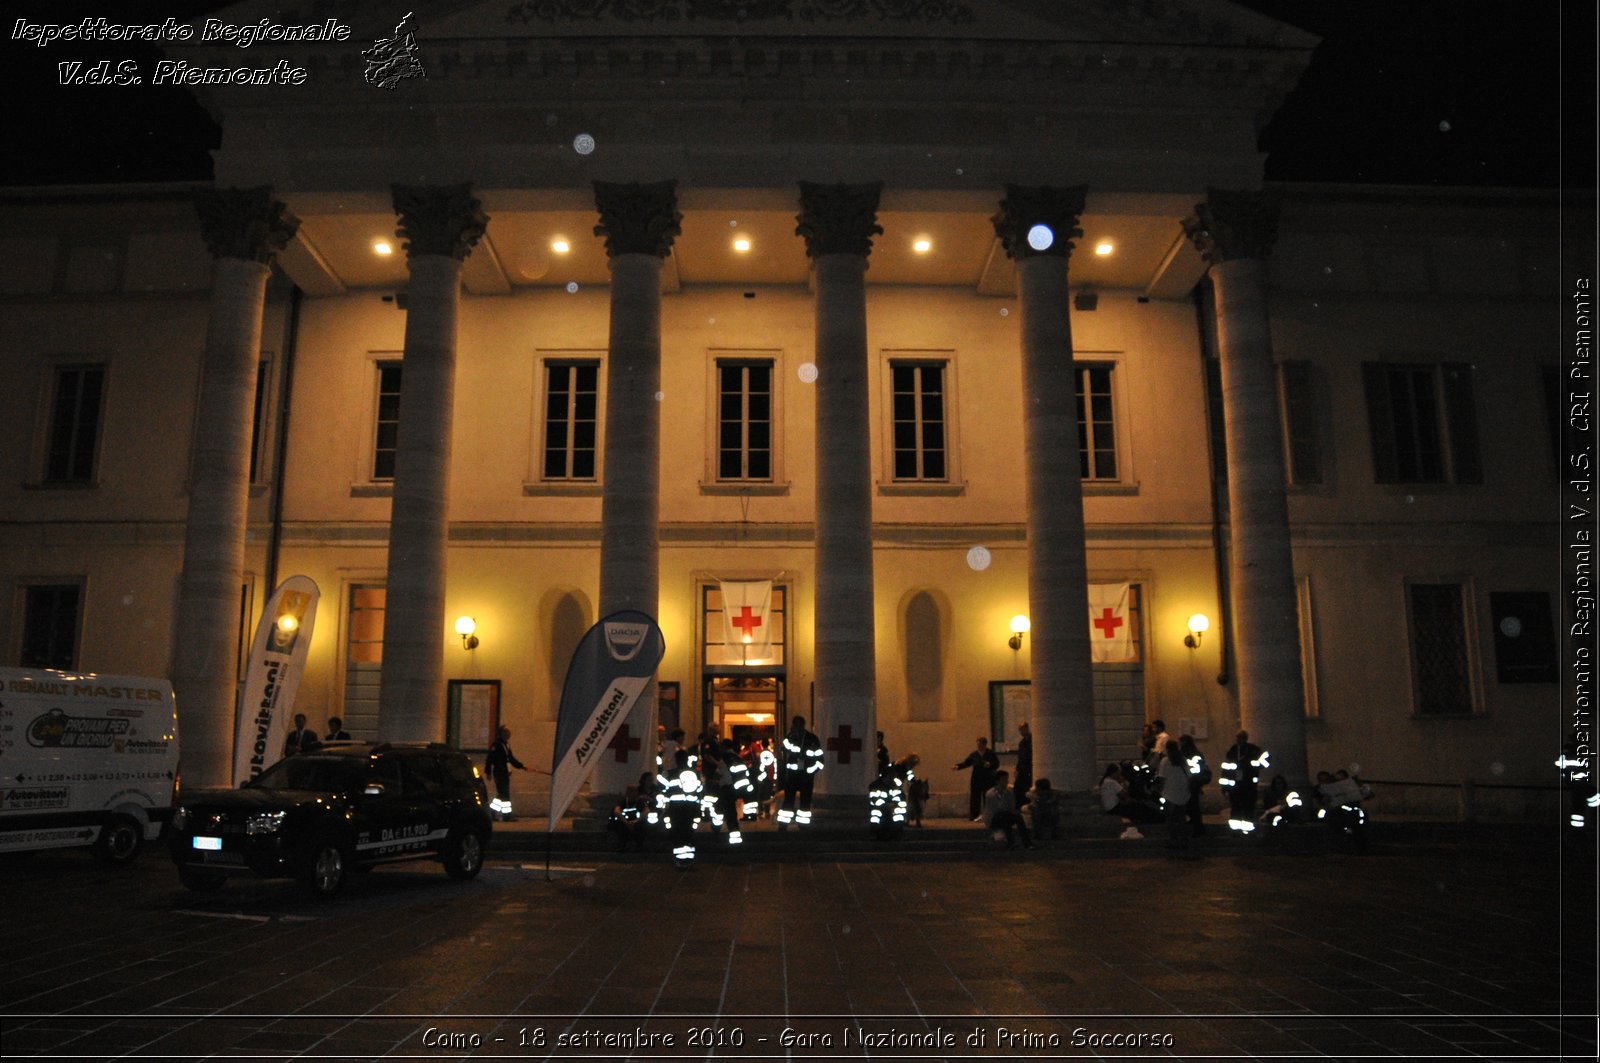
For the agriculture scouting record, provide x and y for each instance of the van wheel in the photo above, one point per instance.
(120, 840)
(199, 881)
(463, 854)
(324, 873)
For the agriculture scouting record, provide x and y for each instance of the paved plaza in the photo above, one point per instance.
(1478, 943)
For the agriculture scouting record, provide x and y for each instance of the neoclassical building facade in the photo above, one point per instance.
(930, 313)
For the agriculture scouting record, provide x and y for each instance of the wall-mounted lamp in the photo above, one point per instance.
(1199, 624)
(465, 626)
(1019, 627)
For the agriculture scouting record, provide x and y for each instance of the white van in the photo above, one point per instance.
(85, 760)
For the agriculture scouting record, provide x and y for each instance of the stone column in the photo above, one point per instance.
(1037, 227)
(639, 223)
(1234, 232)
(440, 225)
(838, 223)
(244, 229)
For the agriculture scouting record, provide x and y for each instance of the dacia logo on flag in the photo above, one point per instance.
(623, 641)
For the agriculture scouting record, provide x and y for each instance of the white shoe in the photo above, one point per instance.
(1132, 834)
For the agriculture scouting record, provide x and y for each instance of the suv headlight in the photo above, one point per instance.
(264, 823)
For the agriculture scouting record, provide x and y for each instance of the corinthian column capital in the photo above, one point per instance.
(637, 219)
(838, 219)
(244, 223)
(1039, 220)
(439, 219)
(1231, 225)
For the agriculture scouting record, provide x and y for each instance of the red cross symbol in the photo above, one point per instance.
(746, 621)
(844, 744)
(623, 744)
(1108, 623)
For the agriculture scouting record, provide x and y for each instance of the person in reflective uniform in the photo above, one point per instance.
(1242, 766)
(887, 802)
(766, 765)
(1577, 778)
(678, 794)
(742, 795)
(498, 764)
(1199, 776)
(801, 760)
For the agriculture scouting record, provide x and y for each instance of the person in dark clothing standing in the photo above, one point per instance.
(1024, 781)
(302, 739)
(499, 763)
(336, 731)
(984, 765)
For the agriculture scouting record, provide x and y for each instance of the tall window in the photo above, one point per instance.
(363, 674)
(1301, 451)
(920, 442)
(258, 432)
(744, 420)
(74, 424)
(1440, 662)
(570, 420)
(50, 626)
(1424, 426)
(1097, 427)
(388, 420)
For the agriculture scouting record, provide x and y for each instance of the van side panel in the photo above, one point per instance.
(78, 750)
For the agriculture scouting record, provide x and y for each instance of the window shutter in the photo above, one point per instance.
(1380, 418)
(1462, 418)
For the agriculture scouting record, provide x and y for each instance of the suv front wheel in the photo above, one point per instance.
(324, 872)
(463, 853)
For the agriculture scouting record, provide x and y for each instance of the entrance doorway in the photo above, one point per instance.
(746, 707)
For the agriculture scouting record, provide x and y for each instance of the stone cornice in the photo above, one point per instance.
(838, 219)
(439, 219)
(1026, 207)
(637, 218)
(1232, 225)
(245, 223)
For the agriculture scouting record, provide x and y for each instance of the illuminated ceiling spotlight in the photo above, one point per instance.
(382, 247)
(741, 244)
(1104, 248)
(560, 246)
(922, 245)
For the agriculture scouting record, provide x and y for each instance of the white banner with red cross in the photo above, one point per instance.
(1110, 629)
(746, 618)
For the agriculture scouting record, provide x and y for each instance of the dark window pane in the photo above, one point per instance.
(50, 627)
(555, 464)
(760, 436)
(760, 465)
(728, 465)
(583, 464)
(583, 435)
(905, 465)
(1439, 650)
(933, 465)
(933, 437)
(760, 407)
(905, 436)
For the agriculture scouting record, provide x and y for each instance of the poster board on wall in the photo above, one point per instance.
(1010, 703)
(473, 714)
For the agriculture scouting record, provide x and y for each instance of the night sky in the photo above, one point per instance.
(1400, 92)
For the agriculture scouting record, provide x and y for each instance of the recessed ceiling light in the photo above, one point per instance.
(741, 244)
(382, 247)
(1104, 247)
(922, 245)
(560, 246)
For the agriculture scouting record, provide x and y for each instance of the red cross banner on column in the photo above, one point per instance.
(1110, 629)
(747, 619)
(844, 743)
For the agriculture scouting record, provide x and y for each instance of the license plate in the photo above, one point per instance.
(202, 842)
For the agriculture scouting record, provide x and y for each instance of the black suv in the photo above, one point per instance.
(347, 806)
